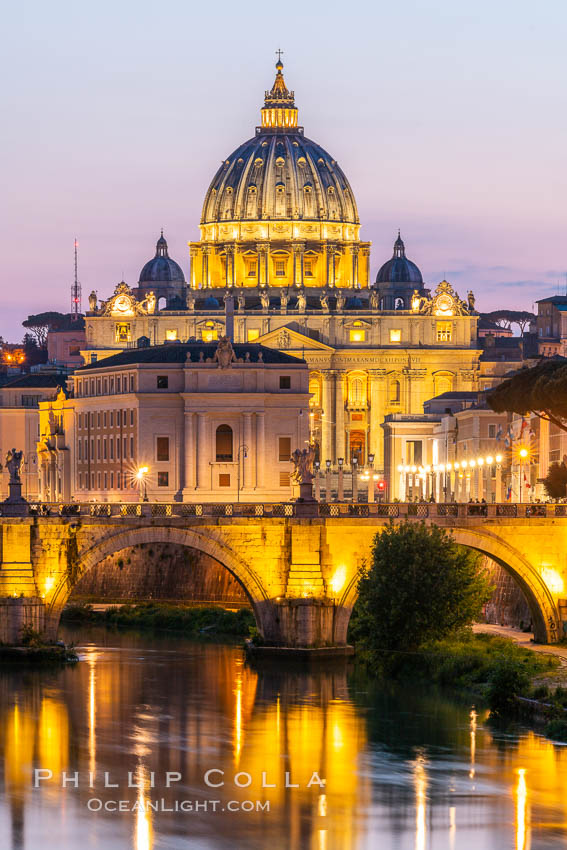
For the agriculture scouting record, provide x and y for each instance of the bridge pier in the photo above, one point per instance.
(305, 623)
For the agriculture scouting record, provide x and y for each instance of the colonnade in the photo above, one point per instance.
(453, 482)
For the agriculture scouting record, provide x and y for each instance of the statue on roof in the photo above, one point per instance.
(224, 355)
(14, 462)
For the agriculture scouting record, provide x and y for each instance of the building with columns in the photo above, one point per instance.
(178, 422)
(280, 263)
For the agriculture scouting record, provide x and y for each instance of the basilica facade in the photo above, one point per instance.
(280, 263)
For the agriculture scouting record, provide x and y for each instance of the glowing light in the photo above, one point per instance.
(480, 461)
(171, 335)
(92, 711)
(449, 467)
(553, 580)
(420, 783)
(523, 452)
(490, 459)
(338, 579)
(473, 716)
(472, 463)
(400, 468)
(457, 465)
(322, 805)
(498, 458)
(521, 810)
(143, 822)
(143, 470)
(49, 582)
(414, 469)
(464, 464)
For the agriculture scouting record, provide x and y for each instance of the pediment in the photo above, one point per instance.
(290, 340)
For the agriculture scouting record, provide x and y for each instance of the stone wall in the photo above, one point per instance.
(508, 606)
(160, 571)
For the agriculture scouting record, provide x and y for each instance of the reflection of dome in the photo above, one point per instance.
(162, 269)
(399, 269)
(279, 174)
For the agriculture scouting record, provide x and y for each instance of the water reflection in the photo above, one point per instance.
(403, 769)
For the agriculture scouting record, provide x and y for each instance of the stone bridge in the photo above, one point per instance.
(298, 563)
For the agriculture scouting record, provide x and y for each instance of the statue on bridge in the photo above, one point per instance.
(303, 463)
(14, 462)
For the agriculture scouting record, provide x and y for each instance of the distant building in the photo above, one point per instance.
(552, 326)
(65, 342)
(177, 422)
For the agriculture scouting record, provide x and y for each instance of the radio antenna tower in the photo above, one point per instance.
(76, 310)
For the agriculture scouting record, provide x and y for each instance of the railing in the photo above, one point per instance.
(340, 510)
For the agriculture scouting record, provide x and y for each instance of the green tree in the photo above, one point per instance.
(540, 389)
(555, 482)
(420, 586)
(40, 323)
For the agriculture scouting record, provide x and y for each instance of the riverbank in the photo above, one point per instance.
(165, 617)
(42, 655)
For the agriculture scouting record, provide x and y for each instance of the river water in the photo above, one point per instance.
(402, 769)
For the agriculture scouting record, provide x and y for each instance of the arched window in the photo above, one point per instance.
(315, 390)
(224, 443)
(399, 304)
(356, 395)
(395, 391)
(443, 384)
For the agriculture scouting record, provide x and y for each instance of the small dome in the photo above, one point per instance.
(354, 303)
(399, 269)
(162, 269)
(211, 303)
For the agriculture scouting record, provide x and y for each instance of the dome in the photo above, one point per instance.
(279, 174)
(399, 269)
(211, 303)
(162, 269)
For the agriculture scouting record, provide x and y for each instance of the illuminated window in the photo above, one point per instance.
(251, 268)
(171, 334)
(357, 335)
(280, 268)
(315, 391)
(209, 333)
(122, 332)
(252, 334)
(395, 335)
(224, 444)
(444, 331)
(308, 268)
(357, 395)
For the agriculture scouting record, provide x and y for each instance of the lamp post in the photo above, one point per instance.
(354, 468)
(242, 453)
(341, 486)
(498, 460)
(523, 454)
(327, 480)
(141, 476)
(317, 468)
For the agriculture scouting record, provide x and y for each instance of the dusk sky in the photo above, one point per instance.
(449, 120)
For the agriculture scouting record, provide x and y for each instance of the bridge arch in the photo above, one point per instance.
(542, 605)
(113, 542)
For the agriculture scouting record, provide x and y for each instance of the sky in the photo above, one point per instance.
(449, 120)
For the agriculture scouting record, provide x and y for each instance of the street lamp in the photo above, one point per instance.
(242, 452)
(340, 490)
(141, 476)
(522, 454)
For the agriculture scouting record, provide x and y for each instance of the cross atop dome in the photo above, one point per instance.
(279, 103)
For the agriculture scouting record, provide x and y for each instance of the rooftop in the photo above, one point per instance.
(191, 352)
(35, 381)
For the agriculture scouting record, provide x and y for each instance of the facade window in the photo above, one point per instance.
(444, 331)
(98, 450)
(98, 480)
(414, 450)
(285, 382)
(356, 395)
(171, 335)
(105, 386)
(395, 392)
(112, 385)
(284, 479)
(104, 449)
(118, 481)
(395, 335)
(131, 383)
(162, 382)
(284, 448)
(252, 334)
(104, 419)
(443, 384)
(122, 332)
(111, 447)
(163, 479)
(492, 431)
(112, 480)
(280, 268)
(98, 420)
(132, 416)
(80, 480)
(357, 335)
(162, 448)
(98, 386)
(315, 391)
(124, 417)
(112, 419)
(80, 446)
(223, 448)
(251, 270)
(118, 384)
(131, 447)
(209, 332)
(106, 480)
(224, 480)
(308, 268)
